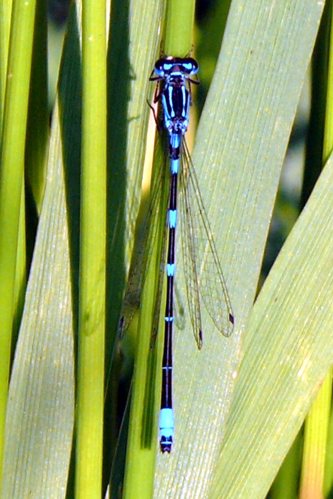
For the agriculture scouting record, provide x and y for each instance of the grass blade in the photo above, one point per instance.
(289, 350)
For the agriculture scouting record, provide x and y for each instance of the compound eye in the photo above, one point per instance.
(164, 66)
(191, 66)
(159, 67)
(195, 67)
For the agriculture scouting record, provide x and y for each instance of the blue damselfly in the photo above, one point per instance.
(203, 273)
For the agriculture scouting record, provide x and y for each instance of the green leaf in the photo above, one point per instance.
(14, 97)
(40, 412)
(289, 350)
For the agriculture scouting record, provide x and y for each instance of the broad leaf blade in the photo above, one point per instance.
(40, 412)
(289, 349)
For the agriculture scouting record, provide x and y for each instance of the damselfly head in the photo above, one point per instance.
(169, 65)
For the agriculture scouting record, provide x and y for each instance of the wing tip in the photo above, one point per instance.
(200, 339)
(230, 326)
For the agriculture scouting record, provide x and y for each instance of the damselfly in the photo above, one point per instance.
(174, 77)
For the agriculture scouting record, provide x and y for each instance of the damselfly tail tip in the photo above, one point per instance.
(165, 449)
(167, 425)
(232, 319)
(166, 445)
